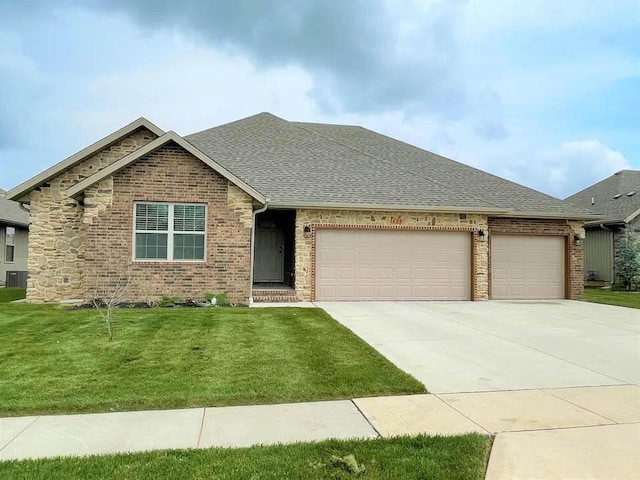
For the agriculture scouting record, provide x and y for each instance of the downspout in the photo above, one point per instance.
(605, 228)
(253, 241)
(22, 206)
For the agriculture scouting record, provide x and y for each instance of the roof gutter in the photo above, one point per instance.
(387, 208)
(253, 242)
(556, 216)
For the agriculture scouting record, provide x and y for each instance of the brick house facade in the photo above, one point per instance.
(83, 225)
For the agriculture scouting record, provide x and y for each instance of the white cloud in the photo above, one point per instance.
(577, 164)
(185, 83)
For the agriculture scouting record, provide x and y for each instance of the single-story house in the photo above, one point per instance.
(14, 235)
(264, 208)
(617, 200)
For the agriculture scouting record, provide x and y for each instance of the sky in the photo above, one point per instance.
(545, 92)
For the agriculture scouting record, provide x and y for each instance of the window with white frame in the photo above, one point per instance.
(169, 231)
(10, 245)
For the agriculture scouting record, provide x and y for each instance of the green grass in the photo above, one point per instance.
(622, 299)
(406, 458)
(56, 360)
(9, 294)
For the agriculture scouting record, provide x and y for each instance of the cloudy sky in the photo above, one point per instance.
(543, 92)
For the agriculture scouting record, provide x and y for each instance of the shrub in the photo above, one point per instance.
(168, 301)
(628, 262)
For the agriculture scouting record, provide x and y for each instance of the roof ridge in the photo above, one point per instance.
(261, 114)
(388, 162)
(327, 124)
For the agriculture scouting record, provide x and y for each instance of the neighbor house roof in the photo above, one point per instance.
(11, 213)
(616, 198)
(305, 164)
(20, 192)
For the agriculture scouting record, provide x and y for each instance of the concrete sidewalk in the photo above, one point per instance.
(551, 434)
(103, 433)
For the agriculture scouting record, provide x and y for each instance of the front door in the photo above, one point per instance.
(268, 264)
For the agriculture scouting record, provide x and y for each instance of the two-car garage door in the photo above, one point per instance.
(393, 265)
(433, 265)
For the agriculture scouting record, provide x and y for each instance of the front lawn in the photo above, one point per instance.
(433, 458)
(56, 360)
(622, 299)
(9, 294)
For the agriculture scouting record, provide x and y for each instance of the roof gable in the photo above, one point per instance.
(613, 197)
(19, 193)
(171, 136)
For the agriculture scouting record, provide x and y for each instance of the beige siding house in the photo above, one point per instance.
(265, 209)
(617, 200)
(14, 238)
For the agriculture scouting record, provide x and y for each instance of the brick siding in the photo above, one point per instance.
(170, 174)
(548, 227)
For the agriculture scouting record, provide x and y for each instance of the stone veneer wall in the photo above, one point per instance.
(56, 237)
(549, 227)
(168, 174)
(381, 219)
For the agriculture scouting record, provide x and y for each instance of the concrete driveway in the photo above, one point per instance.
(488, 346)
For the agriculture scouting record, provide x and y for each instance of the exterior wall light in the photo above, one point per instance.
(307, 231)
(481, 236)
(577, 240)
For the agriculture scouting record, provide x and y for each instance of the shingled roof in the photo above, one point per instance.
(616, 198)
(307, 164)
(11, 213)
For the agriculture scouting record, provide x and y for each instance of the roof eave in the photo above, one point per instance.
(20, 193)
(552, 215)
(632, 217)
(170, 136)
(388, 208)
(14, 223)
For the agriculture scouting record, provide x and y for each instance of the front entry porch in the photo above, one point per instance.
(274, 257)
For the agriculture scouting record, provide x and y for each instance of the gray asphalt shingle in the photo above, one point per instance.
(11, 213)
(303, 163)
(603, 194)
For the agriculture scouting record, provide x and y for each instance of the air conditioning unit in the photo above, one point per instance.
(17, 279)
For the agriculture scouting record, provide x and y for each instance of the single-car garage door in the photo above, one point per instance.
(393, 265)
(527, 267)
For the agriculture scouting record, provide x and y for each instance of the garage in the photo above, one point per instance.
(392, 265)
(527, 267)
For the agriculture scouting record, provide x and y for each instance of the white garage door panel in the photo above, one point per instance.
(527, 267)
(392, 265)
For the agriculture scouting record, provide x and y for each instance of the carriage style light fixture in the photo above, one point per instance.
(481, 236)
(577, 240)
(307, 230)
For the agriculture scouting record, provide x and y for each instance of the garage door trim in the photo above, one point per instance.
(567, 255)
(471, 230)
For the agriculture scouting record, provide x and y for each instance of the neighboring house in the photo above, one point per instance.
(14, 233)
(617, 199)
(340, 213)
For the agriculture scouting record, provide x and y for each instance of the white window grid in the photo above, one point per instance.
(170, 233)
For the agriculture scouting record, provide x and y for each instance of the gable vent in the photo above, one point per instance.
(631, 194)
(616, 196)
